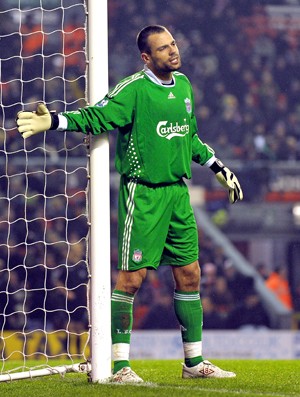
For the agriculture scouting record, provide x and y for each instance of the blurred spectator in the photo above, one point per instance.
(33, 35)
(263, 270)
(160, 314)
(297, 299)
(248, 313)
(277, 282)
(222, 297)
(73, 37)
(211, 318)
(209, 273)
(238, 284)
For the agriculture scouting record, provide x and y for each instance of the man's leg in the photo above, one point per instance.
(188, 310)
(122, 299)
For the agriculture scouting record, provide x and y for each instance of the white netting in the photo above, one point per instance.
(43, 187)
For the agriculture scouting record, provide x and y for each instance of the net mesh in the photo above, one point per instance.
(44, 274)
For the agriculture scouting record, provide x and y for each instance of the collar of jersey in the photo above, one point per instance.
(155, 79)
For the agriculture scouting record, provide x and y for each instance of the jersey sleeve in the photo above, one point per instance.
(115, 110)
(201, 152)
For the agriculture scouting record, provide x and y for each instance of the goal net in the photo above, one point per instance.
(44, 272)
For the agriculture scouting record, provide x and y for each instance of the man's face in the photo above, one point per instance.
(164, 55)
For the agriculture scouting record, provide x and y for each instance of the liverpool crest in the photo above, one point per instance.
(137, 256)
(188, 105)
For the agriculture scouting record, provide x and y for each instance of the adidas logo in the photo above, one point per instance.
(171, 96)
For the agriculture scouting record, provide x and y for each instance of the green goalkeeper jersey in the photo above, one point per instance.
(157, 128)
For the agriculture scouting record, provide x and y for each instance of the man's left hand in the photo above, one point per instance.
(229, 181)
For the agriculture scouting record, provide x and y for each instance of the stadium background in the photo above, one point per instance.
(243, 60)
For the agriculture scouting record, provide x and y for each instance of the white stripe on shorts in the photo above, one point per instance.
(128, 225)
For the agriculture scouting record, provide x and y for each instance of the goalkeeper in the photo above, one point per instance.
(157, 141)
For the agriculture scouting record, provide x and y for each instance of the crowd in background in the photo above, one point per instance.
(245, 73)
(244, 70)
(246, 79)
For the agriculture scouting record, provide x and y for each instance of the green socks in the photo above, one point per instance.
(189, 313)
(121, 327)
(188, 310)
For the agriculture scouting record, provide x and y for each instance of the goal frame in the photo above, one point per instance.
(100, 307)
(98, 367)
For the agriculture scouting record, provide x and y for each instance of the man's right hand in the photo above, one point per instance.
(31, 123)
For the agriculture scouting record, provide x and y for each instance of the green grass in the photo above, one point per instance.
(270, 378)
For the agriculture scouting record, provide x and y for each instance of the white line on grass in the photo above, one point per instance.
(207, 390)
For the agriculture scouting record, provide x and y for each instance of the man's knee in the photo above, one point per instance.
(187, 278)
(130, 282)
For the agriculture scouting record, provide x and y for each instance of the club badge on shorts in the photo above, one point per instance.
(137, 256)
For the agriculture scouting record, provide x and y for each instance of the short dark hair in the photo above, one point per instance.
(142, 37)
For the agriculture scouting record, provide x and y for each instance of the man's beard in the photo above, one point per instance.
(168, 69)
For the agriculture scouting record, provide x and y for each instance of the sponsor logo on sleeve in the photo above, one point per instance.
(102, 103)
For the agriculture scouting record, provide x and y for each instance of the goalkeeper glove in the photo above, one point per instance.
(31, 123)
(228, 180)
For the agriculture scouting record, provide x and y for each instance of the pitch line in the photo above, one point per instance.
(207, 390)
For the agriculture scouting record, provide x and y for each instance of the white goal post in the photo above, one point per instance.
(100, 198)
(54, 194)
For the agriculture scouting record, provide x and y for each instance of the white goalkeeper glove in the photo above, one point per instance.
(31, 123)
(228, 180)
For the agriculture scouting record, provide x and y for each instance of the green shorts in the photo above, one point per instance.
(156, 226)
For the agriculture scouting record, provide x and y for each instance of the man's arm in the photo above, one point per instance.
(85, 120)
(111, 112)
(31, 123)
(205, 155)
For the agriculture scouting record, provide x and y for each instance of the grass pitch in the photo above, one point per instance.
(270, 378)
